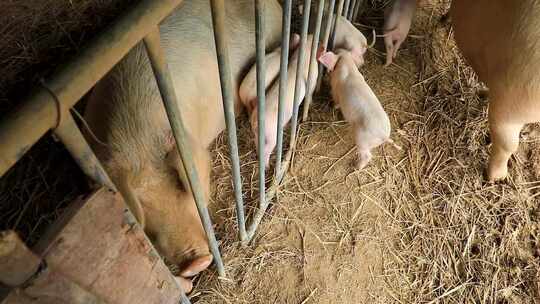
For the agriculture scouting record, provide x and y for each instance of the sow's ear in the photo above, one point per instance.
(329, 60)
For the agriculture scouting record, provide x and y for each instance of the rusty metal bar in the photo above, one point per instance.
(38, 113)
(225, 76)
(326, 37)
(72, 138)
(166, 89)
(261, 98)
(299, 73)
(283, 64)
(314, 47)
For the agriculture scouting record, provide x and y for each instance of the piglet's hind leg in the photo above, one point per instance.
(364, 156)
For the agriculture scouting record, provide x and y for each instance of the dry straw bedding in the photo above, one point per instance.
(417, 226)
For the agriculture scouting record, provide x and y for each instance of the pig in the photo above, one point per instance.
(500, 40)
(348, 37)
(397, 23)
(358, 104)
(248, 87)
(272, 100)
(125, 112)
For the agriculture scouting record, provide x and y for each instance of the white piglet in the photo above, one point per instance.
(358, 104)
(248, 87)
(272, 99)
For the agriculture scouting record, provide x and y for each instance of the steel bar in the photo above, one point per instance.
(346, 8)
(326, 37)
(351, 10)
(283, 65)
(261, 100)
(299, 72)
(270, 194)
(356, 10)
(183, 298)
(314, 48)
(166, 89)
(334, 24)
(225, 76)
(37, 114)
(72, 138)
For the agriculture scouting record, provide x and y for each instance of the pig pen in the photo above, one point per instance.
(417, 226)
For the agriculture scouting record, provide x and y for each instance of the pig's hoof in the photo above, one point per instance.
(196, 265)
(185, 284)
(495, 174)
(361, 164)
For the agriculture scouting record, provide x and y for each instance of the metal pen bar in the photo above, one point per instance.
(351, 10)
(270, 194)
(334, 24)
(326, 37)
(346, 8)
(357, 10)
(314, 48)
(299, 72)
(37, 114)
(70, 135)
(283, 65)
(225, 76)
(261, 98)
(272, 191)
(166, 89)
(183, 298)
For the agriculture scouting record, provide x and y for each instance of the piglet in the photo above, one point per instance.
(272, 99)
(248, 87)
(397, 23)
(358, 104)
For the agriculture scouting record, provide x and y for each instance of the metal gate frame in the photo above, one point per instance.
(48, 107)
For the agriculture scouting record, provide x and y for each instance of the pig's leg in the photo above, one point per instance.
(504, 131)
(364, 156)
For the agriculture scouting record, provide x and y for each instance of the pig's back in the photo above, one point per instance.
(125, 109)
(359, 102)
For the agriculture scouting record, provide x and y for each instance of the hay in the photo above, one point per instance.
(37, 36)
(416, 226)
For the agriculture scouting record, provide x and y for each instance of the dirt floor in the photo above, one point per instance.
(418, 225)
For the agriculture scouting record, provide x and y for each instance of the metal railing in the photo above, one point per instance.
(48, 108)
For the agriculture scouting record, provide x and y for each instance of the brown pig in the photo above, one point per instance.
(358, 104)
(501, 41)
(272, 99)
(248, 87)
(397, 23)
(126, 113)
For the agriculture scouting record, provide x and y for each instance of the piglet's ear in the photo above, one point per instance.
(329, 60)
